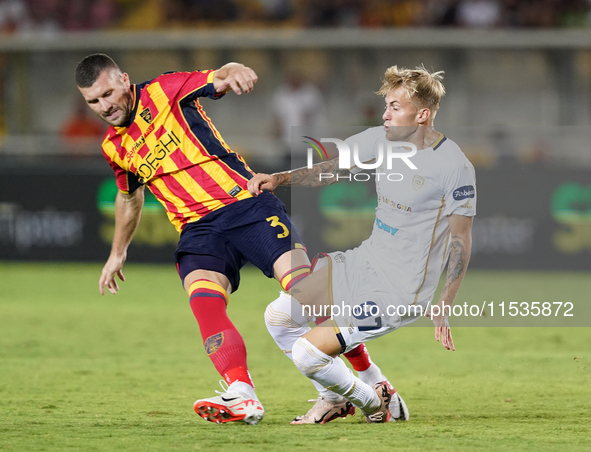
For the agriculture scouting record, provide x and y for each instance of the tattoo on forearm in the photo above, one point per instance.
(457, 263)
(283, 178)
(311, 177)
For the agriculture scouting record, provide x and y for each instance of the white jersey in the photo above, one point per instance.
(409, 244)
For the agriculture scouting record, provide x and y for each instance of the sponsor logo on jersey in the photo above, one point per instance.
(237, 189)
(129, 154)
(152, 161)
(340, 258)
(149, 130)
(399, 207)
(138, 144)
(467, 191)
(418, 182)
(213, 343)
(146, 115)
(467, 206)
(384, 227)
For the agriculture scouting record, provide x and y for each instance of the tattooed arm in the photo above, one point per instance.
(459, 256)
(323, 173)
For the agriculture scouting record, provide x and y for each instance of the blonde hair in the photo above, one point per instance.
(425, 89)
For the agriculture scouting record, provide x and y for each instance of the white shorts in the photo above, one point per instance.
(362, 306)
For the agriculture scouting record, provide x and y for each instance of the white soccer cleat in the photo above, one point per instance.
(398, 408)
(325, 411)
(230, 407)
(385, 391)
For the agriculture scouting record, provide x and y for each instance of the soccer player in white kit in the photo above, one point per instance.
(426, 204)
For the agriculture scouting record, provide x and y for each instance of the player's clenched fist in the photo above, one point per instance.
(260, 182)
(235, 77)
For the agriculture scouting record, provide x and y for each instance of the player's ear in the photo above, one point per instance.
(125, 79)
(423, 115)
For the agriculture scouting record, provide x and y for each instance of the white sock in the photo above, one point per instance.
(243, 388)
(286, 323)
(371, 375)
(334, 375)
(326, 394)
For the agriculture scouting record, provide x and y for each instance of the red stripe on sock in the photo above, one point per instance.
(359, 358)
(296, 280)
(296, 268)
(238, 374)
(302, 271)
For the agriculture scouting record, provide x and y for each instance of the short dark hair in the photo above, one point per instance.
(91, 67)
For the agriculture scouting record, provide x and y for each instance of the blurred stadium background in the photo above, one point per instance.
(518, 102)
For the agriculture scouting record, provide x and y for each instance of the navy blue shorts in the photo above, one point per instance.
(256, 230)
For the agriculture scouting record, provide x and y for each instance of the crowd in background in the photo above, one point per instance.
(79, 15)
(450, 13)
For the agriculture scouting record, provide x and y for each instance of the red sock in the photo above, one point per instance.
(222, 341)
(359, 358)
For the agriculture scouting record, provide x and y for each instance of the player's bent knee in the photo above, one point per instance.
(308, 359)
(284, 312)
(274, 316)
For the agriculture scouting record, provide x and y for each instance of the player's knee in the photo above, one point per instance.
(280, 313)
(307, 358)
(272, 314)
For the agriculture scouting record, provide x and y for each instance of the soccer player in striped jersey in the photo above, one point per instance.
(160, 137)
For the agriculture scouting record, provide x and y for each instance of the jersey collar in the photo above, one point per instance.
(439, 141)
(135, 90)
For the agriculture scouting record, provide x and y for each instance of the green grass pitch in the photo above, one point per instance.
(89, 373)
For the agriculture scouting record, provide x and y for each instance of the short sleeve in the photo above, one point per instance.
(126, 182)
(196, 84)
(460, 190)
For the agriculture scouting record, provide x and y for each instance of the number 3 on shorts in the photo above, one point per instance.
(275, 222)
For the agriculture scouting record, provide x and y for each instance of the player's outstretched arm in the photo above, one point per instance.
(235, 77)
(321, 174)
(460, 249)
(128, 211)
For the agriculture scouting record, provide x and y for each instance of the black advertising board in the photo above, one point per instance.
(67, 214)
(527, 217)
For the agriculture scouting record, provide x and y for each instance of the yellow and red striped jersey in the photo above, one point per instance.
(170, 145)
